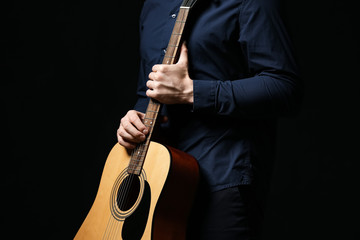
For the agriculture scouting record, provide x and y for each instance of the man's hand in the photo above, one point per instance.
(171, 84)
(132, 130)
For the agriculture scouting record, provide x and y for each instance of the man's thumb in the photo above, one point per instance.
(183, 54)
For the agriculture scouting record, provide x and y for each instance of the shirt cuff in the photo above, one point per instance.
(204, 96)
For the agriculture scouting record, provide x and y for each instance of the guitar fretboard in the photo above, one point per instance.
(172, 51)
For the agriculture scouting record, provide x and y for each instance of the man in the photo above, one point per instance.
(235, 75)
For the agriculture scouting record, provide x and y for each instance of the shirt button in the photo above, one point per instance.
(173, 16)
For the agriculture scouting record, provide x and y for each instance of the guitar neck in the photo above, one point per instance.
(153, 108)
(173, 48)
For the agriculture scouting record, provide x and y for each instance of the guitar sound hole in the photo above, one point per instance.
(128, 192)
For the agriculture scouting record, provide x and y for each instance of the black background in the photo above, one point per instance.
(68, 74)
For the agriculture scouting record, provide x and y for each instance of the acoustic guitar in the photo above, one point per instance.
(146, 193)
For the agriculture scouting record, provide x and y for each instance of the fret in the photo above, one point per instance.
(148, 118)
(134, 167)
(169, 56)
(137, 168)
(139, 153)
(152, 111)
(137, 160)
(179, 21)
(143, 144)
(138, 148)
(136, 172)
(138, 157)
(151, 120)
(173, 46)
(135, 164)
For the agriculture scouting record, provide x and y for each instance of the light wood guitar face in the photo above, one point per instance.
(111, 217)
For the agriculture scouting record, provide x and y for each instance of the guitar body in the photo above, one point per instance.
(159, 201)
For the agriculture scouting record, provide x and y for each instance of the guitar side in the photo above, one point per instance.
(157, 220)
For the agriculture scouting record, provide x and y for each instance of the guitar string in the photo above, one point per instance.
(123, 194)
(154, 112)
(131, 177)
(115, 236)
(111, 228)
(115, 230)
(108, 227)
(121, 198)
(113, 221)
(139, 150)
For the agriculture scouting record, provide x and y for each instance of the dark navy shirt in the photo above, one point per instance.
(245, 76)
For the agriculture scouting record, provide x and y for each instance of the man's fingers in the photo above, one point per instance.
(131, 134)
(136, 120)
(128, 145)
(132, 130)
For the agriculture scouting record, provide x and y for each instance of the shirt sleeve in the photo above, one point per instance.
(272, 85)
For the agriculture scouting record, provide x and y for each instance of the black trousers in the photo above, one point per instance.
(232, 213)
